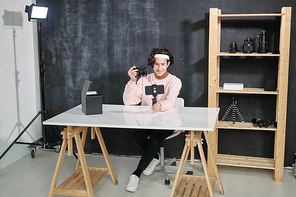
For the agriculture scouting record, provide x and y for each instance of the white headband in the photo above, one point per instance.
(162, 56)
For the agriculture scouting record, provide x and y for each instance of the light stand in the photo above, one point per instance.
(38, 13)
(44, 112)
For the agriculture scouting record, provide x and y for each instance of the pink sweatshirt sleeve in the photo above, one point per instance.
(132, 94)
(172, 90)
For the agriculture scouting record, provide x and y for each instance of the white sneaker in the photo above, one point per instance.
(133, 183)
(150, 168)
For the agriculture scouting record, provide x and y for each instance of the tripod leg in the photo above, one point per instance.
(239, 114)
(226, 113)
(25, 129)
(233, 115)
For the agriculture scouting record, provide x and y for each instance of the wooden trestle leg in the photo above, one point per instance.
(58, 166)
(83, 180)
(85, 172)
(214, 163)
(191, 185)
(106, 155)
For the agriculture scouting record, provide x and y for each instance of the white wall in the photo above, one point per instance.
(19, 79)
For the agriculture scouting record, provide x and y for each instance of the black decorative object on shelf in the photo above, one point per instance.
(263, 42)
(270, 84)
(248, 45)
(262, 123)
(232, 47)
(256, 42)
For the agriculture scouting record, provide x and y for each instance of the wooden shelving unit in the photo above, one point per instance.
(277, 162)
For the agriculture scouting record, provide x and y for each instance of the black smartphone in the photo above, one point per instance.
(154, 89)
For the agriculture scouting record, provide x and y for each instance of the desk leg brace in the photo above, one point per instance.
(180, 169)
(106, 155)
(78, 164)
(214, 162)
(87, 180)
(193, 139)
(58, 167)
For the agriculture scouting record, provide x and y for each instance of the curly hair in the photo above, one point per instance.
(163, 50)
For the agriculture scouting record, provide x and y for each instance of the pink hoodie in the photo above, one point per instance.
(134, 92)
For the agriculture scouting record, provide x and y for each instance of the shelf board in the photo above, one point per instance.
(245, 161)
(250, 15)
(241, 54)
(247, 91)
(242, 126)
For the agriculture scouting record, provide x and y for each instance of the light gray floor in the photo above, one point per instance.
(32, 178)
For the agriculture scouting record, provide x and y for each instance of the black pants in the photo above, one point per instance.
(149, 146)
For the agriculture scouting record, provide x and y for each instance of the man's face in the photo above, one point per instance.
(160, 66)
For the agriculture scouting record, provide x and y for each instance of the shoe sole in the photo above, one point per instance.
(131, 190)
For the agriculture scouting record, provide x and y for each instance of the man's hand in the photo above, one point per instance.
(156, 107)
(132, 74)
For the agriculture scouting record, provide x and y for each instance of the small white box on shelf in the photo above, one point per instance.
(233, 86)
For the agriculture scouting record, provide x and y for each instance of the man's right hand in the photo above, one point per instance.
(132, 73)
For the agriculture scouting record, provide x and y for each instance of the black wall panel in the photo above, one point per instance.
(100, 40)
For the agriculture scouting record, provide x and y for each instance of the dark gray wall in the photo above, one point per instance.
(100, 40)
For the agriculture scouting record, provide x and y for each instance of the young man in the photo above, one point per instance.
(134, 93)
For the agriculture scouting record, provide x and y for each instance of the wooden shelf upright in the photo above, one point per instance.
(277, 162)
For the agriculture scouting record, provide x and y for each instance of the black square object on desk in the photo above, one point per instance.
(270, 84)
(91, 101)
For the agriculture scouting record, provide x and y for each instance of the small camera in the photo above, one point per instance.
(257, 122)
(263, 123)
(248, 45)
(142, 71)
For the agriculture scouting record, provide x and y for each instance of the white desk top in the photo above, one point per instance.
(140, 117)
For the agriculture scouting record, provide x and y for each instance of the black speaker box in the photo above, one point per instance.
(91, 103)
(270, 84)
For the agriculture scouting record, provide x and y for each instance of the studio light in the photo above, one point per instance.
(36, 12)
(39, 13)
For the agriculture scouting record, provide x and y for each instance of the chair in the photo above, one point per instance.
(171, 164)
